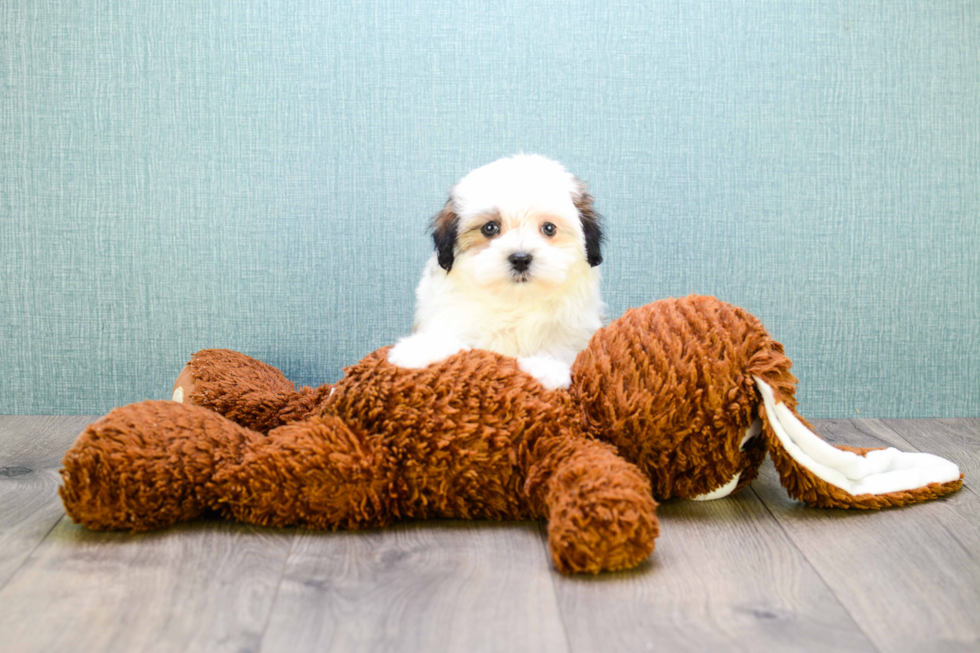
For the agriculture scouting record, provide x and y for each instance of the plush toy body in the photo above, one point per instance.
(681, 398)
(470, 437)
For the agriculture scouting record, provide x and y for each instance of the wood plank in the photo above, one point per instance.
(724, 577)
(908, 576)
(726, 574)
(31, 449)
(202, 586)
(427, 586)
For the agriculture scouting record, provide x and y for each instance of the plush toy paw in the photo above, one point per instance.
(601, 515)
(611, 535)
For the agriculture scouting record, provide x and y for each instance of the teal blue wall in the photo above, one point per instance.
(258, 175)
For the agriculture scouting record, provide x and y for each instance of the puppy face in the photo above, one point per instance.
(520, 222)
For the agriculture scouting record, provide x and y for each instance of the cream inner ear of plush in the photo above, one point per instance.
(877, 472)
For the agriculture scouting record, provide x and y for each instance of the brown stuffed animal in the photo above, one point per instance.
(691, 392)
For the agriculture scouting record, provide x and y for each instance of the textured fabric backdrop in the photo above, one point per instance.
(258, 175)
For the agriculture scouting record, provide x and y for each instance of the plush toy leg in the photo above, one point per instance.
(155, 463)
(316, 473)
(245, 390)
(601, 514)
(816, 472)
(149, 465)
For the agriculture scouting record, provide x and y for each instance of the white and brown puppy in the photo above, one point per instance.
(514, 271)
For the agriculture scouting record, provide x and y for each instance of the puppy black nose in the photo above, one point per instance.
(520, 261)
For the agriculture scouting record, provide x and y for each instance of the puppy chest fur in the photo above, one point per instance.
(519, 321)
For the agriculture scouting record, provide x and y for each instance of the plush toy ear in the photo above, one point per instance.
(591, 226)
(823, 475)
(445, 228)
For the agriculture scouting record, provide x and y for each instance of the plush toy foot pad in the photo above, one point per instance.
(184, 386)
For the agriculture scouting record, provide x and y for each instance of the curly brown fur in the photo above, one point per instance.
(468, 452)
(246, 390)
(388, 444)
(670, 384)
(149, 465)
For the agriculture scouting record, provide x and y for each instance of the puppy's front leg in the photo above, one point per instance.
(551, 372)
(421, 349)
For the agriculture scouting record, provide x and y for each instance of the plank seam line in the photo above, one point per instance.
(30, 554)
(543, 530)
(43, 469)
(275, 594)
(823, 580)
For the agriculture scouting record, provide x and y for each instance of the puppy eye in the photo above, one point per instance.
(490, 229)
(548, 229)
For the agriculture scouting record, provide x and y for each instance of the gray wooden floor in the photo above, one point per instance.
(754, 572)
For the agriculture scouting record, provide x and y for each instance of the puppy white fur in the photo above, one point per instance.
(515, 271)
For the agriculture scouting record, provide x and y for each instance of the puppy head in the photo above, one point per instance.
(519, 221)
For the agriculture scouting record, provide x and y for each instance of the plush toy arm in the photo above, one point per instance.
(245, 390)
(816, 472)
(601, 514)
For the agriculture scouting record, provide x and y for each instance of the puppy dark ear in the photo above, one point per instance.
(591, 227)
(445, 228)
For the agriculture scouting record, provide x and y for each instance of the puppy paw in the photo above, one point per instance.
(420, 350)
(552, 373)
